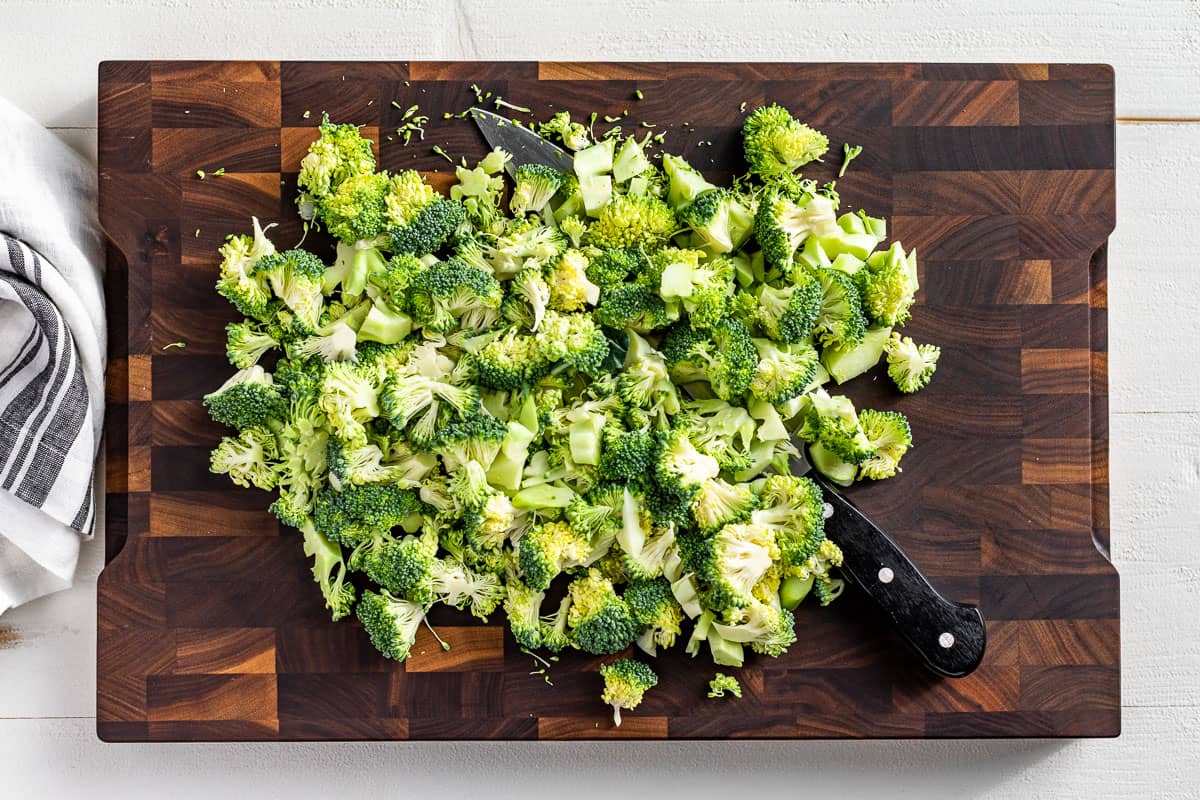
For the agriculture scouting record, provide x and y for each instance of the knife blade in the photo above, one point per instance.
(949, 637)
(525, 146)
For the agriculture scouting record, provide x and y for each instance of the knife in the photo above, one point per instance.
(949, 637)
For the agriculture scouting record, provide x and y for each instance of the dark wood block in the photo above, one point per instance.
(999, 175)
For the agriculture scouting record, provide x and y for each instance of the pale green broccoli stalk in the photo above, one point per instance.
(910, 365)
(456, 585)
(890, 437)
(249, 293)
(479, 191)
(247, 342)
(625, 684)
(600, 621)
(775, 142)
(249, 398)
(632, 222)
(655, 608)
(722, 683)
(685, 183)
(247, 458)
(535, 185)
(390, 622)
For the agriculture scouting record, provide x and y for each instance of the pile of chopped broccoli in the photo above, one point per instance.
(577, 405)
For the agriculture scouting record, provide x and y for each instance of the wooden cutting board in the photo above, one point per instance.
(1001, 175)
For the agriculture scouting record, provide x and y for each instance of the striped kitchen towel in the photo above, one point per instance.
(52, 345)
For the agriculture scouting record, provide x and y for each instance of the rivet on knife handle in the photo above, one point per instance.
(949, 636)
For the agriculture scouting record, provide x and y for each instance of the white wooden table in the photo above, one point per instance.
(48, 55)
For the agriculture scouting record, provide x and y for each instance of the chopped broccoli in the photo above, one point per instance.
(911, 365)
(390, 622)
(776, 142)
(655, 608)
(546, 550)
(600, 622)
(889, 437)
(625, 683)
(722, 683)
(782, 225)
(535, 185)
(724, 356)
(247, 458)
(633, 221)
(250, 397)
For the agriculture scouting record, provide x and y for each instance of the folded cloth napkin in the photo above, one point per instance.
(52, 353)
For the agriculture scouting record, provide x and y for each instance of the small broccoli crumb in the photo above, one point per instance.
(180, 345)
(723, 683)
(849, 153)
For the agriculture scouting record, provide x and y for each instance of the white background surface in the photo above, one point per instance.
(48, 56)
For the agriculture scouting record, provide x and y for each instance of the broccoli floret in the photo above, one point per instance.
(404, 566)
(573, 340)
(832, 423)
(530, 287)
(391, 622)
(548, 549)
(794, 509)
(723, 431)
(768, 627)
(784, 371)
(335, 342)
(359, 511)
(355, 210)
(570, 288)
(719, 503)
(574, 228)
(453, 294)
(523, 607)
(246, 342)
(626, 455)
(817, 568)
(237, 283)
(474, 439)
(633, 221)
(409, 396)
(458, 586)
(573, 135)
(730, 564)
(840, 322)
(609, 268)
(625, 683)
(359, 463)
(339, 153)
(389, 282)
(250, 397)
(416, 219)
(509, 362)
(645, 381)
(349, 399)
(775, 142)
(522, 240)
(600, 621)
(329, 571)
(886, 287)
(782, 224)
(910, 365)
(535, 185)
(720, 218)
(247, 458)
(655, 608)
(722, 683)
(788, 314)
(679, 471)
(555, 636)
(704, 289)
(890, 437)
(723, 355)
(635, 307)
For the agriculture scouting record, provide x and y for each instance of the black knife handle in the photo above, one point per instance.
(949, 636)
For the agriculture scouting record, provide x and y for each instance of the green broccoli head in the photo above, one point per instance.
(721, 219)
(522, 240)
(679, 471)
(632, 222)
(555, 636)
(475, 438)
(788, 314)
(535, 185)
(782, 224)
(355, 210)
(573, 340)
(832, 423)
(625, 684)
(248, 459)
(840, 321)
(886, 287)
(635, 307)
(600, 621)
(523, 607)
(548, 549)
(391, 622)
(295, 277)
(358, 511)
(655, 608)
(794, 509)
(889, 436)
(339, 153)
(910, 365)
(350, 398)
(730, 564)
(724, 356)
(453, 294)
(249, 293)
(249, 398)
(626, 455)
(570, 288)
(775, 142)
(247, 342)
(610, 268)
(718, 503)
(403, 566)
(511, 361)
(784, 371)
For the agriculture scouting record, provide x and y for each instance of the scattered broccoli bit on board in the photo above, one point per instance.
(625, 684)
(722, 683)
(590, 391)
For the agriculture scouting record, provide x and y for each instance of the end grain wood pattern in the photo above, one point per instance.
(1001, 176)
